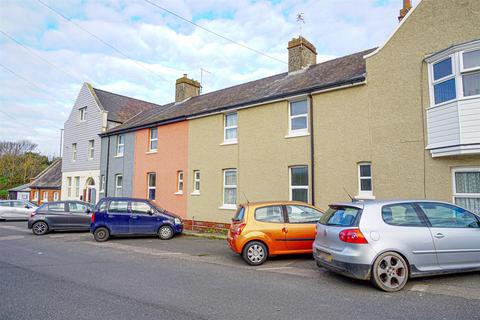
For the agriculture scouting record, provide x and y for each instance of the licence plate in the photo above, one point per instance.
(324, 256)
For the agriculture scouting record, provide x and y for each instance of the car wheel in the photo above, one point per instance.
(390, 272)
(255, 253)
(40, 228)
(101, 234)
(165, 233)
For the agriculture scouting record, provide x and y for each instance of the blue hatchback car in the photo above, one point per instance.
(129, 216)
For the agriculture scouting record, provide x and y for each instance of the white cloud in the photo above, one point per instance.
(163, 44)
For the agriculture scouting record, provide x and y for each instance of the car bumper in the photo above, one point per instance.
(178, 228)
(233, 243)
(30, 223)
(345, 265)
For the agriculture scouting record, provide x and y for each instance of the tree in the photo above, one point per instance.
(19, 163)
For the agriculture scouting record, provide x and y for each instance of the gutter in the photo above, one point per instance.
(313, 90)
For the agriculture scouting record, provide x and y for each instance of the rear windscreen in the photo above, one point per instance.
(340, 216)
(239, 214)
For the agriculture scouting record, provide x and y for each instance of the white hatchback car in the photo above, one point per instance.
(16, 209)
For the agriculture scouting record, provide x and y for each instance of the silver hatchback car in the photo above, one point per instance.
(388, 242)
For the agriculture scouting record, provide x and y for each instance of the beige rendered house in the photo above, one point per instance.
(399, 121)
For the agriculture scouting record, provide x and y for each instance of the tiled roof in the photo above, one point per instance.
(23, 187)
(121, 108)
(51, 177)
(329, 74)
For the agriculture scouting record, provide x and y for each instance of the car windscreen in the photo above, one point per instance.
(340, 216)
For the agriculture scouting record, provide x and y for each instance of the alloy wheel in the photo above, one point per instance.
(391, 271)
(40, 228)
(165, 233)
(255, 253)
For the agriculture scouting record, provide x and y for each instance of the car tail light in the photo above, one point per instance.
(239, 229)
(93, 217)
(352, 236)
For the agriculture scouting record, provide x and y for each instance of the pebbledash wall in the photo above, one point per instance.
(386, 124)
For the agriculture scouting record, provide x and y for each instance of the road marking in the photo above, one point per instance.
(14, 228)
(6, 238)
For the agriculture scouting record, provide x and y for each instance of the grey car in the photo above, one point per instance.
(16, 209)
(389, 242)
(61, 215)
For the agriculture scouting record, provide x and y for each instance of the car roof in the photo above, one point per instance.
(276, 202)
(123, 199)
(367, 203)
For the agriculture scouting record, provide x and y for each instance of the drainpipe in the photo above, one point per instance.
(312, 148)
(105, 187)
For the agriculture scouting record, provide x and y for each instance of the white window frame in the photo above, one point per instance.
(35, 196)
(456, 54)
(297, 132)
(229, 206)
(77, 186)
(45, 196)
(454, 185)
(55, 196)
(150, 140)
(196, 180)
(74, 152)
(149, 187)
(225, 128)
(91, 149)
(120, 146)
(364, 194)
(117, 186)
(291, 187)
(83, 114)
(180, 184)
(69, 186)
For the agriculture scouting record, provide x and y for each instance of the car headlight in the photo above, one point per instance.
(178, 221)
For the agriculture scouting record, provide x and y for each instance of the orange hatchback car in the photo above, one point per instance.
(264, 229)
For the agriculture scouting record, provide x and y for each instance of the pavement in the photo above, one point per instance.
(67, 275)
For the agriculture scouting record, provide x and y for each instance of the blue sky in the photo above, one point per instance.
(36, 101)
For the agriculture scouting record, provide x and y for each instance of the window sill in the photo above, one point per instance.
(228, 207)
(227, 143)
(364, 197)
(151, 152)
(195, 193)
(118, 156)
(296, 135)
(178, 193)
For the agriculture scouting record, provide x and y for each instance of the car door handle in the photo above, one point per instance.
(284, 229)
(439, 236)
(134, 217)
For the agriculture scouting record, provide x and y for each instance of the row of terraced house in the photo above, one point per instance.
(398, 121)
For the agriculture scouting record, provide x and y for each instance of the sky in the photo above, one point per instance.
(133, 48)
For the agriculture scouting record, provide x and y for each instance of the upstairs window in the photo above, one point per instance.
(74, 152)
(153, 139)
(91, 149)
(230, 128)
(455, 73)
(444, 81)
(120, 145)
(471, 73)
(83, 113)
(298, 117)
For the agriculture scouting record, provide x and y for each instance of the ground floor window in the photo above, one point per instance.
(179, 181)
(35, 196)
(230, 187)
(118, 185)
(77, 187)
(69, 186)
(55, 196)
(152, 185)
(45, 196)
(196, 181)
(466, 188)
(299, 183)
(365, 187)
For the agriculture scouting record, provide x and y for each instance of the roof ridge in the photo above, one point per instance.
(124, 96)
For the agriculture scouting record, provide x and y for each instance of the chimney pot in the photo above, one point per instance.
(407, 6)
(301, 54)
(186, 88)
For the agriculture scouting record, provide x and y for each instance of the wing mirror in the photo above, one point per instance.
(27, 206)
(88, 210)
(150, 212)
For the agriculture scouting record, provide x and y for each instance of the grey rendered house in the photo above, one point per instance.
(94, 112)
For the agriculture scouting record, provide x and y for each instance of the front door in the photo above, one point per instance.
(143, 220)
(118, 217)
(271, 222)
(300, 227)
(456, 234)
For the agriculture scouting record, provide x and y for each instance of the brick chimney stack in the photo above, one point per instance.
(407, 6)
(186, 88)
(301, 54)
